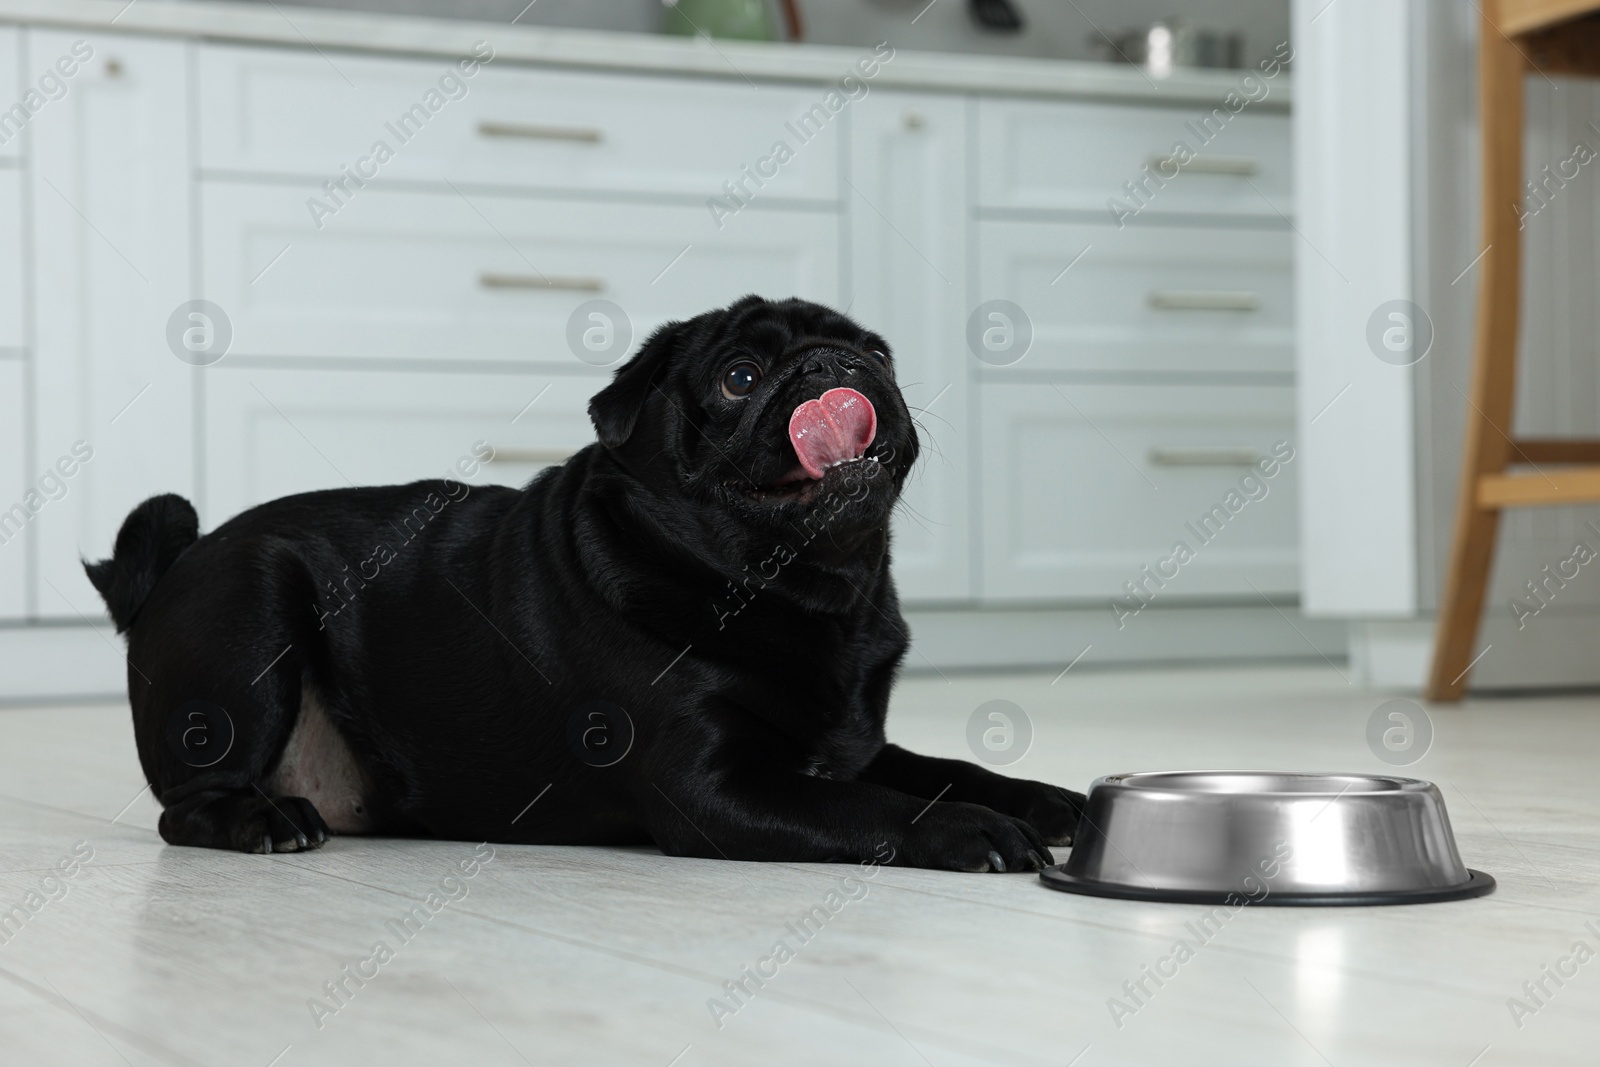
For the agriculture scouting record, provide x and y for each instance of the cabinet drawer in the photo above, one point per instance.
(1083, 486)
(1162, 299)
(276, 432)
(11, 334)
(440, 276)
(276, 111)
(1077, 157)
(13, 486)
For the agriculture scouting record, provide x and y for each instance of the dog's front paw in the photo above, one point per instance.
(1049, 809)
(970, 837)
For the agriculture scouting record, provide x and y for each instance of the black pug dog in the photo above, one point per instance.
(683, 636)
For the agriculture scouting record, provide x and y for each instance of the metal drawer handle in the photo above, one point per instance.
(1237, 166)
(541, 281)
(1204, 456)
(530, 455)
(530, 132)
(1204, 300)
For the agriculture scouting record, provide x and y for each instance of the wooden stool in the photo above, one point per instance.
(1514, 37)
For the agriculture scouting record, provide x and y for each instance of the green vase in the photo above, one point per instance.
(744, 20)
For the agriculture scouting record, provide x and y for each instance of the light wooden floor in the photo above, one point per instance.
(149, 954)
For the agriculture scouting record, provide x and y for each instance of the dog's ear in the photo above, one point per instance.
(615, 409)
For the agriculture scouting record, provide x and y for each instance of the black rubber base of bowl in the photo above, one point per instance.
(1056, 877)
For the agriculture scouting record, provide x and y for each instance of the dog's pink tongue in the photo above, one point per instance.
(837, 426)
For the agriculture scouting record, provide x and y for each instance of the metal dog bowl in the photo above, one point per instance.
(1266, 837)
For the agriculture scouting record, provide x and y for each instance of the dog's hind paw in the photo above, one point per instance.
(281, 824)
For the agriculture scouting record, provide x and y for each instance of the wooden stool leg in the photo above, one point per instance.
(1462, 605)
(1494, 363)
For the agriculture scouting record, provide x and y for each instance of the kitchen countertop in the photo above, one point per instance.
(595, 50)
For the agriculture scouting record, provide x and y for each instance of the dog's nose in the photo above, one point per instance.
(831, 361)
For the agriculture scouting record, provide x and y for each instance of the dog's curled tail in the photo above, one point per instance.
(152, 537)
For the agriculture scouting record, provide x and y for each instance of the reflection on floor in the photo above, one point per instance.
(115, 949)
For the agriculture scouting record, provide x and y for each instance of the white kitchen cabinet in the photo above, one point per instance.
(907, 207)
(14, 533)
(274, 432)
(108, 181)
(282, 112)
(384, 315)
(1085, 485)
(1161, 299)
(12, 136)
(12, 340)
(1048, 155)
(442, 276)
(11, 89)
(14, 523)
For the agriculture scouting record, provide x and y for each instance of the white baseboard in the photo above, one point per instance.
(52, 664)
(1553, 650)
(59, 663)
(962, 638)
(1391, 654)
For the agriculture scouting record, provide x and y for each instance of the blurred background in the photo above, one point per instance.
(1138, 265)
(1048, 30)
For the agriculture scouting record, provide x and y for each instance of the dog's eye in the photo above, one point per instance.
(881, 357)
(741, 380)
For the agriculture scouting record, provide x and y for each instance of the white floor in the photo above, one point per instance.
(149, 954)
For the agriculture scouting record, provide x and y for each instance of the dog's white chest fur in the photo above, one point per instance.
(317, 765)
